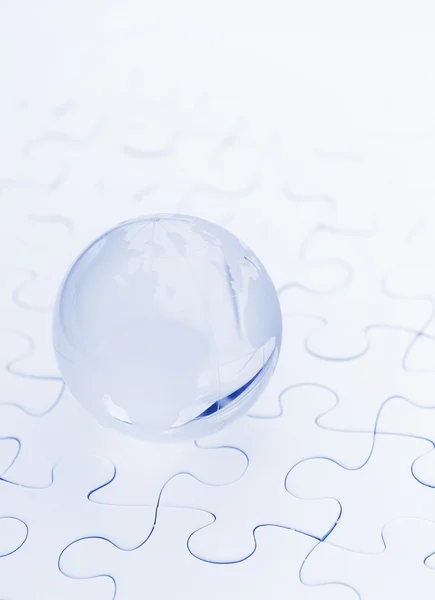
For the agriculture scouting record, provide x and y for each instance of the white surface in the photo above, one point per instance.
(272, 119)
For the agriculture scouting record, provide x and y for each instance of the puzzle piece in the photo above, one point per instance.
(403, 570)
(189, 578)
(273, 446)
(362, 302)
(142, 468)
(57, 515)
(381, 490)
(361, 385)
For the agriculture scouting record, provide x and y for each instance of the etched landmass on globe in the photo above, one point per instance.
(165, 322)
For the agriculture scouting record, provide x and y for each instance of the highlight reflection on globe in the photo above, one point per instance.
(167, 327)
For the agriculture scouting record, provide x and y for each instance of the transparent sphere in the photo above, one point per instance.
(167, 327)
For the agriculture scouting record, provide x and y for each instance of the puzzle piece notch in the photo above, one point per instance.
(273, 446)
(402, 570)
(394, 492)
(189, 578)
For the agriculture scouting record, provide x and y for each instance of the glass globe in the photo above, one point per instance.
(167, 327)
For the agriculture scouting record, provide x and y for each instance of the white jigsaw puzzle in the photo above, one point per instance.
(326, 490)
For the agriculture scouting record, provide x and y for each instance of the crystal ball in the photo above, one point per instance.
(167, 327)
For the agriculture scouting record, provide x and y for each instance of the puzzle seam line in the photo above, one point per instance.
(253, 533)
(25, 486)
(321, 584)
(37, 378)
(18, 441)
(77, 577)
(13, 361)
(416, 334)
(25, 537)
(414, 462)
(295, 386)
